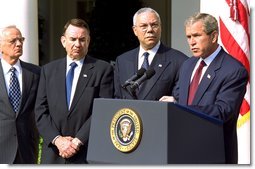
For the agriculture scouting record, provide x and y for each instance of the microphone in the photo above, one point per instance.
(148, 74)
(136, 76)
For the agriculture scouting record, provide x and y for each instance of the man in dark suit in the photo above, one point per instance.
(64, 123)
(18, 133)
(222, 83)
(164, 60)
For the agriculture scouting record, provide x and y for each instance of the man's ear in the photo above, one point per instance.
(214, 36)
(134, 30)
(63, 41)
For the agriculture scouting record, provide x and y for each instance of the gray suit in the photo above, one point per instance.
(18, 133)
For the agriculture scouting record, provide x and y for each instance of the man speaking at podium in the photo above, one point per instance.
(163, 63)
(212, 81)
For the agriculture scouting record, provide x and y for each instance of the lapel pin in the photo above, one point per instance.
(209, 76)
(159, 65)
(84, 75)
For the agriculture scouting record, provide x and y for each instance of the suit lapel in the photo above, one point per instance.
(85, 75)
(3, 91)
(159, 64)
(131, 65)
(187, 72)
(27, 79)
(60, 84)
(208, 77)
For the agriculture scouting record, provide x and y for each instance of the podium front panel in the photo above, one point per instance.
(194, 138)
(152, 147)
(170, 135)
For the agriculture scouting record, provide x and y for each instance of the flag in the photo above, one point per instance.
(234, 26)
(24, 15)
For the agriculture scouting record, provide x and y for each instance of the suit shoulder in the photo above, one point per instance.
(188, 62)
(173, 53)
(179, 54)
(98, 62)
(231, 61)
(230, 64)
(31, 67)
(56, 61)
(127, 54)
(53, 63)
(102, 63)
(234, 68)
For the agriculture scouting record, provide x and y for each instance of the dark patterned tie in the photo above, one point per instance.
(195, 81)
(145, 64)
(69, 82)
(14, 91)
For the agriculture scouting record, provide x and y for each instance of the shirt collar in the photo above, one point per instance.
(78, 62)
(6, 66)
(210, 58)
(152, 51)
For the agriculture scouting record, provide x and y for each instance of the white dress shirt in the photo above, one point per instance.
(152, 52)
(77, 72)
(7, 73)
(208, 61)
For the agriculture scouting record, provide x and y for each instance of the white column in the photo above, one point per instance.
(23, 14)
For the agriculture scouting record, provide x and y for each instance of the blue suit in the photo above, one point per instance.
(51, 111)
(166, 64)
(220, 94)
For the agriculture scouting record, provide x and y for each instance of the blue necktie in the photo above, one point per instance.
(69, 82)
(14, 91)
(145, 64)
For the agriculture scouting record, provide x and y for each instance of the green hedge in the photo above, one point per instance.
(40, 150)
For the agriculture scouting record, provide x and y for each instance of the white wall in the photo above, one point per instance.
(23, 14)
(181, 10)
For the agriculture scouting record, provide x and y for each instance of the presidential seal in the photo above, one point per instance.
(126, 130)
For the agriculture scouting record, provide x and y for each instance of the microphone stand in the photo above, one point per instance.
(130, 91)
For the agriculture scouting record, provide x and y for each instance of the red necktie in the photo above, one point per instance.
(195, 81)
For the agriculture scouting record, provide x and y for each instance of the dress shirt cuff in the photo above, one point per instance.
(53, 141)
(77, 142)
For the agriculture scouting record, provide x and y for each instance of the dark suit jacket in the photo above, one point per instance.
(220, 94)
(52, 115)
(18, 133)
(166, 64)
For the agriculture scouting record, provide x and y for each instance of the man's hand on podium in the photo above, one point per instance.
(167, 99)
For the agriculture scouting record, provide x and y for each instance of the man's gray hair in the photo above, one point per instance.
(142, 10)
(209, 22)
(2, 30)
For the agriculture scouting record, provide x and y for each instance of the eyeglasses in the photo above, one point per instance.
(14, 41)
(144, 27)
